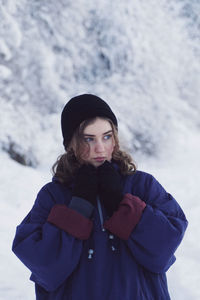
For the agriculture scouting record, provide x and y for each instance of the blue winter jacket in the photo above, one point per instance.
(129, 259)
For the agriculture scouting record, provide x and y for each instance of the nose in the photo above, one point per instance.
(99, 147)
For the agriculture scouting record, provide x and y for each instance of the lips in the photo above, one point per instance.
(99, 158)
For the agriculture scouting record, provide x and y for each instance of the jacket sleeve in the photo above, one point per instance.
(153, 229)
(45, 243)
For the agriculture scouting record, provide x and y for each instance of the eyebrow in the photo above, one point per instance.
(102, 134)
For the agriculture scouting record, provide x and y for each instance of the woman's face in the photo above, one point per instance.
(98, 142)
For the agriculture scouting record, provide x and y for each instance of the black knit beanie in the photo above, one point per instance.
(81, 108)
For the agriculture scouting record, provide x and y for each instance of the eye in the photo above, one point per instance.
(107, 136)
(88, 139)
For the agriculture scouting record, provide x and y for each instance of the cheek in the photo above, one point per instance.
(110, 148)
(85, 152)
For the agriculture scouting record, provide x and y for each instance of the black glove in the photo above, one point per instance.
(86, 183)
(110, 187)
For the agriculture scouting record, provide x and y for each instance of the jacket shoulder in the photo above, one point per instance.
(141, 184)
(53, 193)
(142, 175)
(139, 178)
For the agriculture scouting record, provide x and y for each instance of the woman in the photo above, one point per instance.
(100, 229)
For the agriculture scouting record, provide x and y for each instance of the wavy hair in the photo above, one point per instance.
(64, 169)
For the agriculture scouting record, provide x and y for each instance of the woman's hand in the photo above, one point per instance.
(86, 183)
(110, 187)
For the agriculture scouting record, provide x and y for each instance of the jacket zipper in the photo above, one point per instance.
(100, 213)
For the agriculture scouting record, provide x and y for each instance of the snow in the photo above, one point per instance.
(143, 59)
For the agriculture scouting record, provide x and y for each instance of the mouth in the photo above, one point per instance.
(99, 159)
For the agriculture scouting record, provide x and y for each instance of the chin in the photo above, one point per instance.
(97, 163)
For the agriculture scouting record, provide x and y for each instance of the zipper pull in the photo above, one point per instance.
(90, 253)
